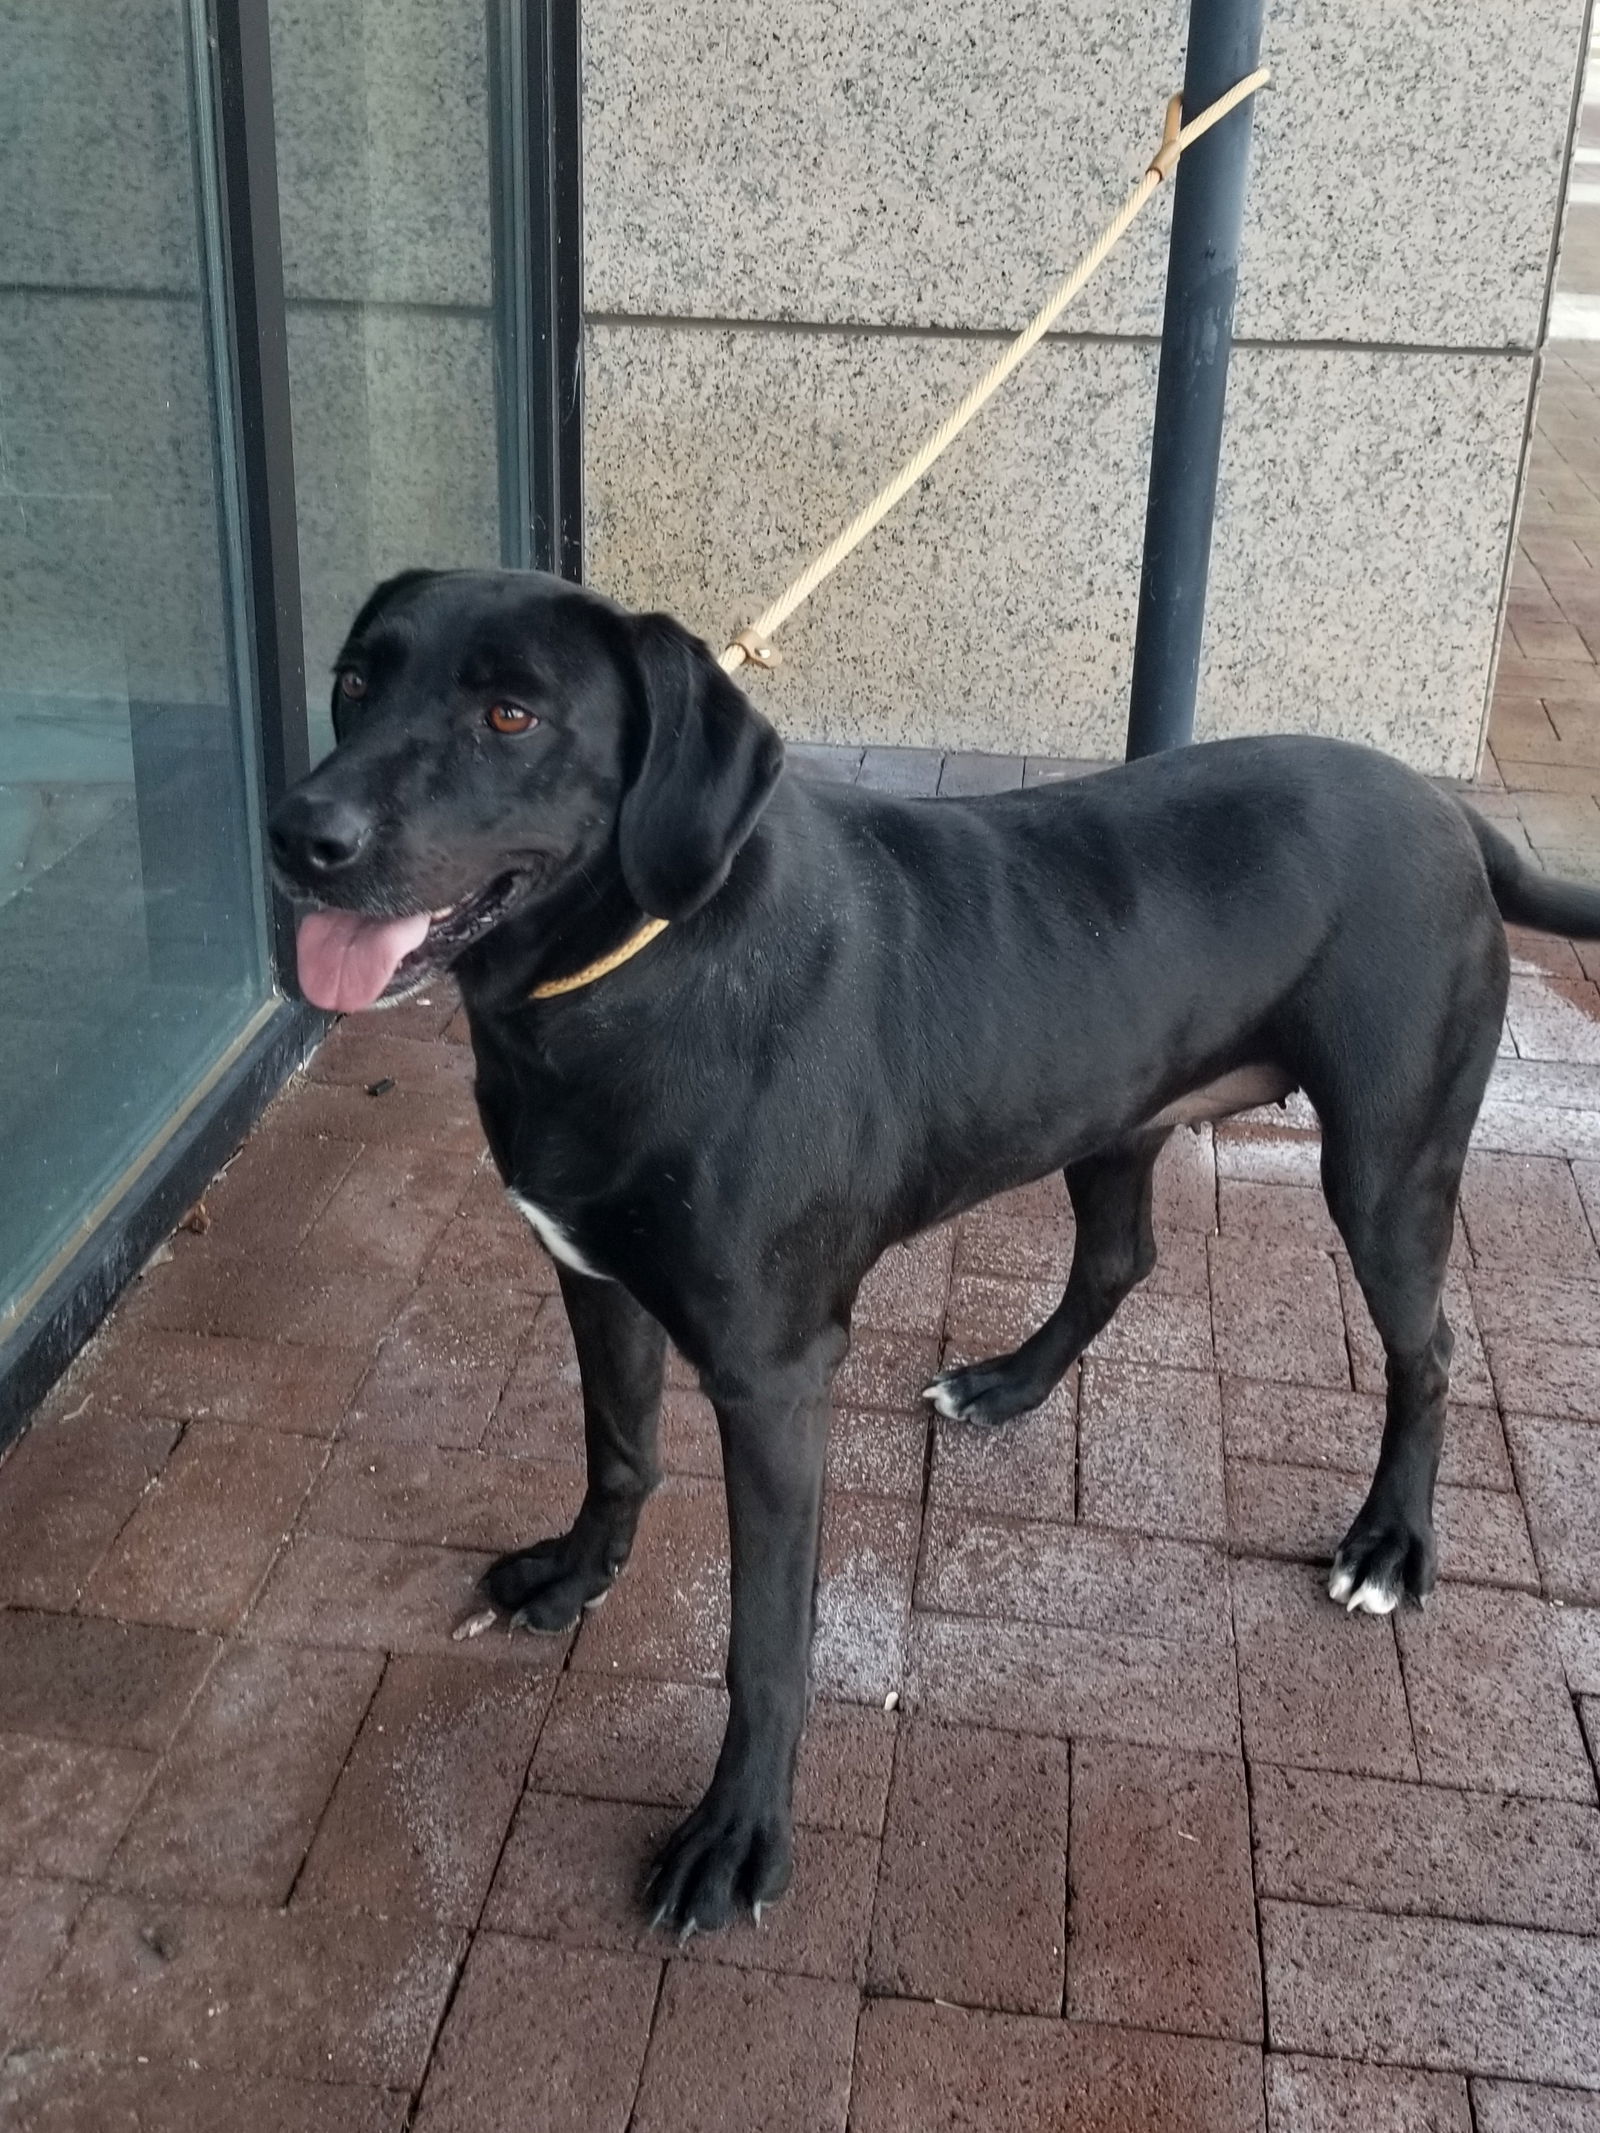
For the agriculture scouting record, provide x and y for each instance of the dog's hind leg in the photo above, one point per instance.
(621, 1360)
(1394, 1201)
(1113, 1250)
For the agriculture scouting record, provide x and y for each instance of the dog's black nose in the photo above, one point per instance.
(312, 838)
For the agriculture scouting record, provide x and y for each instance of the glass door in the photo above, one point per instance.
(133, 939)
(383, 114)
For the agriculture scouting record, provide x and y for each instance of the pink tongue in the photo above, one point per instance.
(346, 960)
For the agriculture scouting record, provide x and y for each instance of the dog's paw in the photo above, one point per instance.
(725, 1858)
(548, 1586)
(984, 1392)
(1380, 1562)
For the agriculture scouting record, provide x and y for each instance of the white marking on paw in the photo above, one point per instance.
(1342, 1583)
(554, 1238)
(943, 1398)
(1370, 1598)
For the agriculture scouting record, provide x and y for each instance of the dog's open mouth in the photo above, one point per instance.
(348, 960)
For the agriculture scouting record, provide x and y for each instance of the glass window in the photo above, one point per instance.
(132, 927)
(382, 111)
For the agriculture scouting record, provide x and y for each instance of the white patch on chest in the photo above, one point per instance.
(554, 1238)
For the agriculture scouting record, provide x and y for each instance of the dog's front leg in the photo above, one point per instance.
(621, 1359)
(736, 1849)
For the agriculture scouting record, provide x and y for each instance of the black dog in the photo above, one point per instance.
(864, 1015)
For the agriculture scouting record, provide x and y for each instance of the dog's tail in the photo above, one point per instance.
(1528, 898)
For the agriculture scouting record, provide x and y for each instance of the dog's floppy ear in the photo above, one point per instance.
(709, 764)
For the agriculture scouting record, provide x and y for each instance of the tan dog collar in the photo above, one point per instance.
(603, 965)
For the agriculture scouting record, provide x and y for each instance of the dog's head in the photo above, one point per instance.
(509, 744)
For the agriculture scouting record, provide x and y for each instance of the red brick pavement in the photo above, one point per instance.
(1106, 1818)
(1148, 1833)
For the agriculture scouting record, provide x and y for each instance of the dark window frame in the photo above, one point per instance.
(536, 168)
(537, 165)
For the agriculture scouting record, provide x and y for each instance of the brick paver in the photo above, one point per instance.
(919, 2066)
(1162, 1921)
(1427, 1850)
(1317, 1688)
(421, 1808)
(202, 1539)
(972, 1893)
(1517, 2107)
(312, 1995)
(56, 2096)
(230, 1810)
(121, 1684)
(66, 1804)
(1330, 2095)
(71, 1490)
(1028, 1469)
(1105, 1817)
(1489, 1700)
(1150, 1451)
(747, 2050)
(541, 2036)
(1431, 1992)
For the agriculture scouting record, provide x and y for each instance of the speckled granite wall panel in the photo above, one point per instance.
(382, 115)
(718, 460)
(1361, 533)
(1363, 521)
(114, 75)
(916, 166)
(942, 165)
(108, 523)
(382, 111)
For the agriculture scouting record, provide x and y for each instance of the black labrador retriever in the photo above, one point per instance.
(862, 1015)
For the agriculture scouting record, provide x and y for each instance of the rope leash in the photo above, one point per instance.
(754, 645)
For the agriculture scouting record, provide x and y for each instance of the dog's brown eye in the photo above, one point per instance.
(510, 718)
(352, 684)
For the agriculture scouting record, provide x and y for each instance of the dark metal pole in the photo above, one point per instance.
(565, 226)
(538, 180)
(1196, 338)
